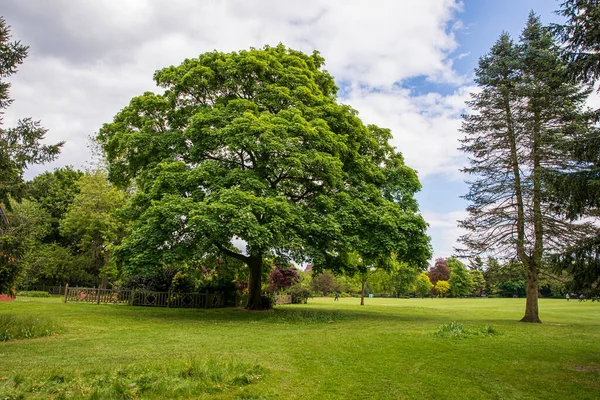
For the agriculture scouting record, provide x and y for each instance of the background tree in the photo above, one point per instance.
(439, 271)
(324, 283)
(54, 192)
(91, 223)
(478, 280)
(282, 278)
(27, 225)
(460, 280)
(526, 106)
(476, 264)
(422, 285)
(252, 146)
(442, 288)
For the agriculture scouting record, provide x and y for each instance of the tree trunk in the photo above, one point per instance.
(254, 283)
(531, 307)
(362, 294)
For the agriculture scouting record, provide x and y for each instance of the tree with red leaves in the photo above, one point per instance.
(282, 278)
(439, 272)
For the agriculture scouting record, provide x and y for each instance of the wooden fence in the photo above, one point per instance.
(283, 299)
(144, 298)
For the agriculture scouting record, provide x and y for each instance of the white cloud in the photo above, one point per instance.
(425, 128)
(88, 59)
(444, 231)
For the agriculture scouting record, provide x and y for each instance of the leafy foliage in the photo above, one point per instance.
(460, 280)
(282, 278)
(512, 288)
(458, 331)
(478, 280)
(442, 288)
(253, 146)
(422, 285)
(580, 35)
(439, 271)
(28, 224)
(19, 147)
(91, 224)
(324, 283)
(54, 192)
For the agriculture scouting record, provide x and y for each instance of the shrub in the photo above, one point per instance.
(267, 301)
(33, 293)
(299, 293)
(183, 283)
(457, 331)
(228, 289)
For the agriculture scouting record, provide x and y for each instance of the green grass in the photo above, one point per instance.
(388, 349)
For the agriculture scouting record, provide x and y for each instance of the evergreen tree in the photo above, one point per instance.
(576, 188)
(526, 108)
(19, 146)
(580, 36)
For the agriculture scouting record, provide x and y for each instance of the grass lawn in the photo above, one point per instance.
(387, 349)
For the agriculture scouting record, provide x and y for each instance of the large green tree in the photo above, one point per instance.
(525, 109)
(252, 148)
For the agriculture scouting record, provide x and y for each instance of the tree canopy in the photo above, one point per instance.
(252, 147)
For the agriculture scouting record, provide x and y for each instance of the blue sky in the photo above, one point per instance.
(483, 22)
(404, 65)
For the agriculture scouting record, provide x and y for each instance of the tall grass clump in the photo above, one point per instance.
(25, 327)
(457, 331)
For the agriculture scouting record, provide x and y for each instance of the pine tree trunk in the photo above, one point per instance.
(531, 307)
(254, 283)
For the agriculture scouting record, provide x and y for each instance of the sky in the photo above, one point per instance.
(403, 65)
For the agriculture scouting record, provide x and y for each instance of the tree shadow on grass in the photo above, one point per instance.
(281, 314)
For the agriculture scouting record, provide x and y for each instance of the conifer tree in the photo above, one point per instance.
(527, 107)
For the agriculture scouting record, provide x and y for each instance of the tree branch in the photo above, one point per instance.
(232, 254)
